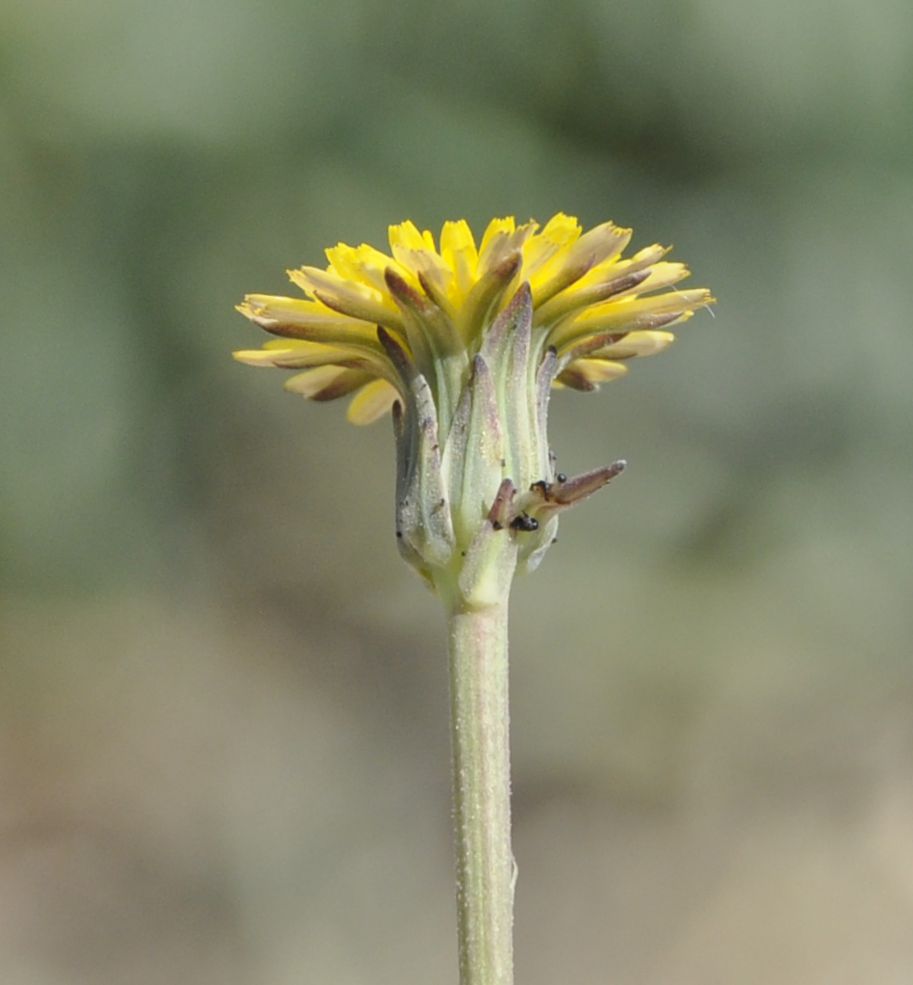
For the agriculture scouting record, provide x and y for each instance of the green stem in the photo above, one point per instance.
(481, 793)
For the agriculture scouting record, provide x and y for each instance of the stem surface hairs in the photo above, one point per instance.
(463, 342)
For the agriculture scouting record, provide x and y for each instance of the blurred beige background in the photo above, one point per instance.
(223, 738)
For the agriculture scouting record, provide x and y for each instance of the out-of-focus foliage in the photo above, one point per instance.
(223, 707)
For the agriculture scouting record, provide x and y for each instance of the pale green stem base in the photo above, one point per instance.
(481, 794)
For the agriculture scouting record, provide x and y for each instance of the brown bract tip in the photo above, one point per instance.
(499, 516)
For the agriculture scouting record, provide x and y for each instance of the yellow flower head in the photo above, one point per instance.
(464, 341)
(436, 301)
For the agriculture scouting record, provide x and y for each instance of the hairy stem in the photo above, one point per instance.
(481, 793)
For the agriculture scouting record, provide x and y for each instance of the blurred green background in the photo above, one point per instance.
(223, 736)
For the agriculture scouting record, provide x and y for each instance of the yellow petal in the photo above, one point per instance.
(600, 370)
(353, 298)
(327, 382)
(635, 344)
(301, 319)
(587, 374)
(259, 357)
(561, 229)
(407, 236)
(459, 253)
(497, 229)
(413, 262)
(599, 246)
(456, 240)
(362, 263)
(630, 313)
(557, 235)
(503, 240)
(642, 259)
(296, 354)
(371, 402)
(662, 275)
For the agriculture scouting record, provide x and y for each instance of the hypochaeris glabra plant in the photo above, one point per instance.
(463, 343)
